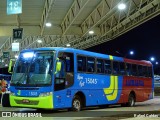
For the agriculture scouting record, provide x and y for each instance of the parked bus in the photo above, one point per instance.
(56, 78)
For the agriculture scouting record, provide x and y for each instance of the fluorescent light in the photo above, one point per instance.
(16, 56)
(48, 24)
(39, 41)
(121, 6)
(91, 32)
(68, 45)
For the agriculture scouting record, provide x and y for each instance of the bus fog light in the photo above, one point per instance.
(45, 94)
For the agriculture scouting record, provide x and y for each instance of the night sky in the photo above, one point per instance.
(144, 40)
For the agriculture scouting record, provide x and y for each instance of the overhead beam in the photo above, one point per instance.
(114, 19)
(102, 11)
(47, 8)
(150, 10)
(18, 24)
(31, 42)
(72, 14)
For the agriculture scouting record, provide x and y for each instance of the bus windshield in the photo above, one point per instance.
(33, 68)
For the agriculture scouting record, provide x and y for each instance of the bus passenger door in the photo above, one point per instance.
(65, 78)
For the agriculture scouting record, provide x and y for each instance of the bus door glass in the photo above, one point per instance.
(65, 77)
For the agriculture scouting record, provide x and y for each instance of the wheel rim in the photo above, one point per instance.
(77, 105)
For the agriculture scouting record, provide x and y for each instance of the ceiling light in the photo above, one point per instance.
(91, 32)
(16, 56)
(39, 41)
(68, 45)
(121, 6)
(48, 24)
(6, 65)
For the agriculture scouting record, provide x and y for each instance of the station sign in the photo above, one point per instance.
(5, 54)
(17, 33)
(15, 46)
(14, 7)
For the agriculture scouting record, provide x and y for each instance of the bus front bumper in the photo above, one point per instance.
(45, 102)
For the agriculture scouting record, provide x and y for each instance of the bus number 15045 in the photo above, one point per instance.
(91, 81)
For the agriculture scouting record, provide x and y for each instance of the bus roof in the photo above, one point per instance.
(78, 51)
(141, 62)
(88, 53)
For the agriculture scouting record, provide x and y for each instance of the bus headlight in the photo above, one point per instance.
(45, 94)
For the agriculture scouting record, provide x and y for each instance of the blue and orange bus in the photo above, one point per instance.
(56, 78)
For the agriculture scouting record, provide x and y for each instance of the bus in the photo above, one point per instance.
(57, 78)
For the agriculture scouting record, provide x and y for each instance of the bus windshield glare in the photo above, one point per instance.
(33, 69)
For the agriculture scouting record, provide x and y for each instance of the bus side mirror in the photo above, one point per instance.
(10, 65)
(58, 67)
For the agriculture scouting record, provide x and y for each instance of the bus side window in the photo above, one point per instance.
(145, 71)
(107, 67)
(115, 67)
(122, 68)
(81, 63)
(134, 70)
(128, 69)
(99, 64)
(90, 64)
(150, 72)
(140, 71)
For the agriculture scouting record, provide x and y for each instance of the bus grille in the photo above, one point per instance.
(31, 102)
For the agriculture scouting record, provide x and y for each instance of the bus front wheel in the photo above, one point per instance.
(76, 104)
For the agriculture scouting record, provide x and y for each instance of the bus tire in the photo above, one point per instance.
(5, 100)
(131, 100)
(76, 104)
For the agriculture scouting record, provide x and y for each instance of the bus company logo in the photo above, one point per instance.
(80, 78)
(134, 83)
(81, 84)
